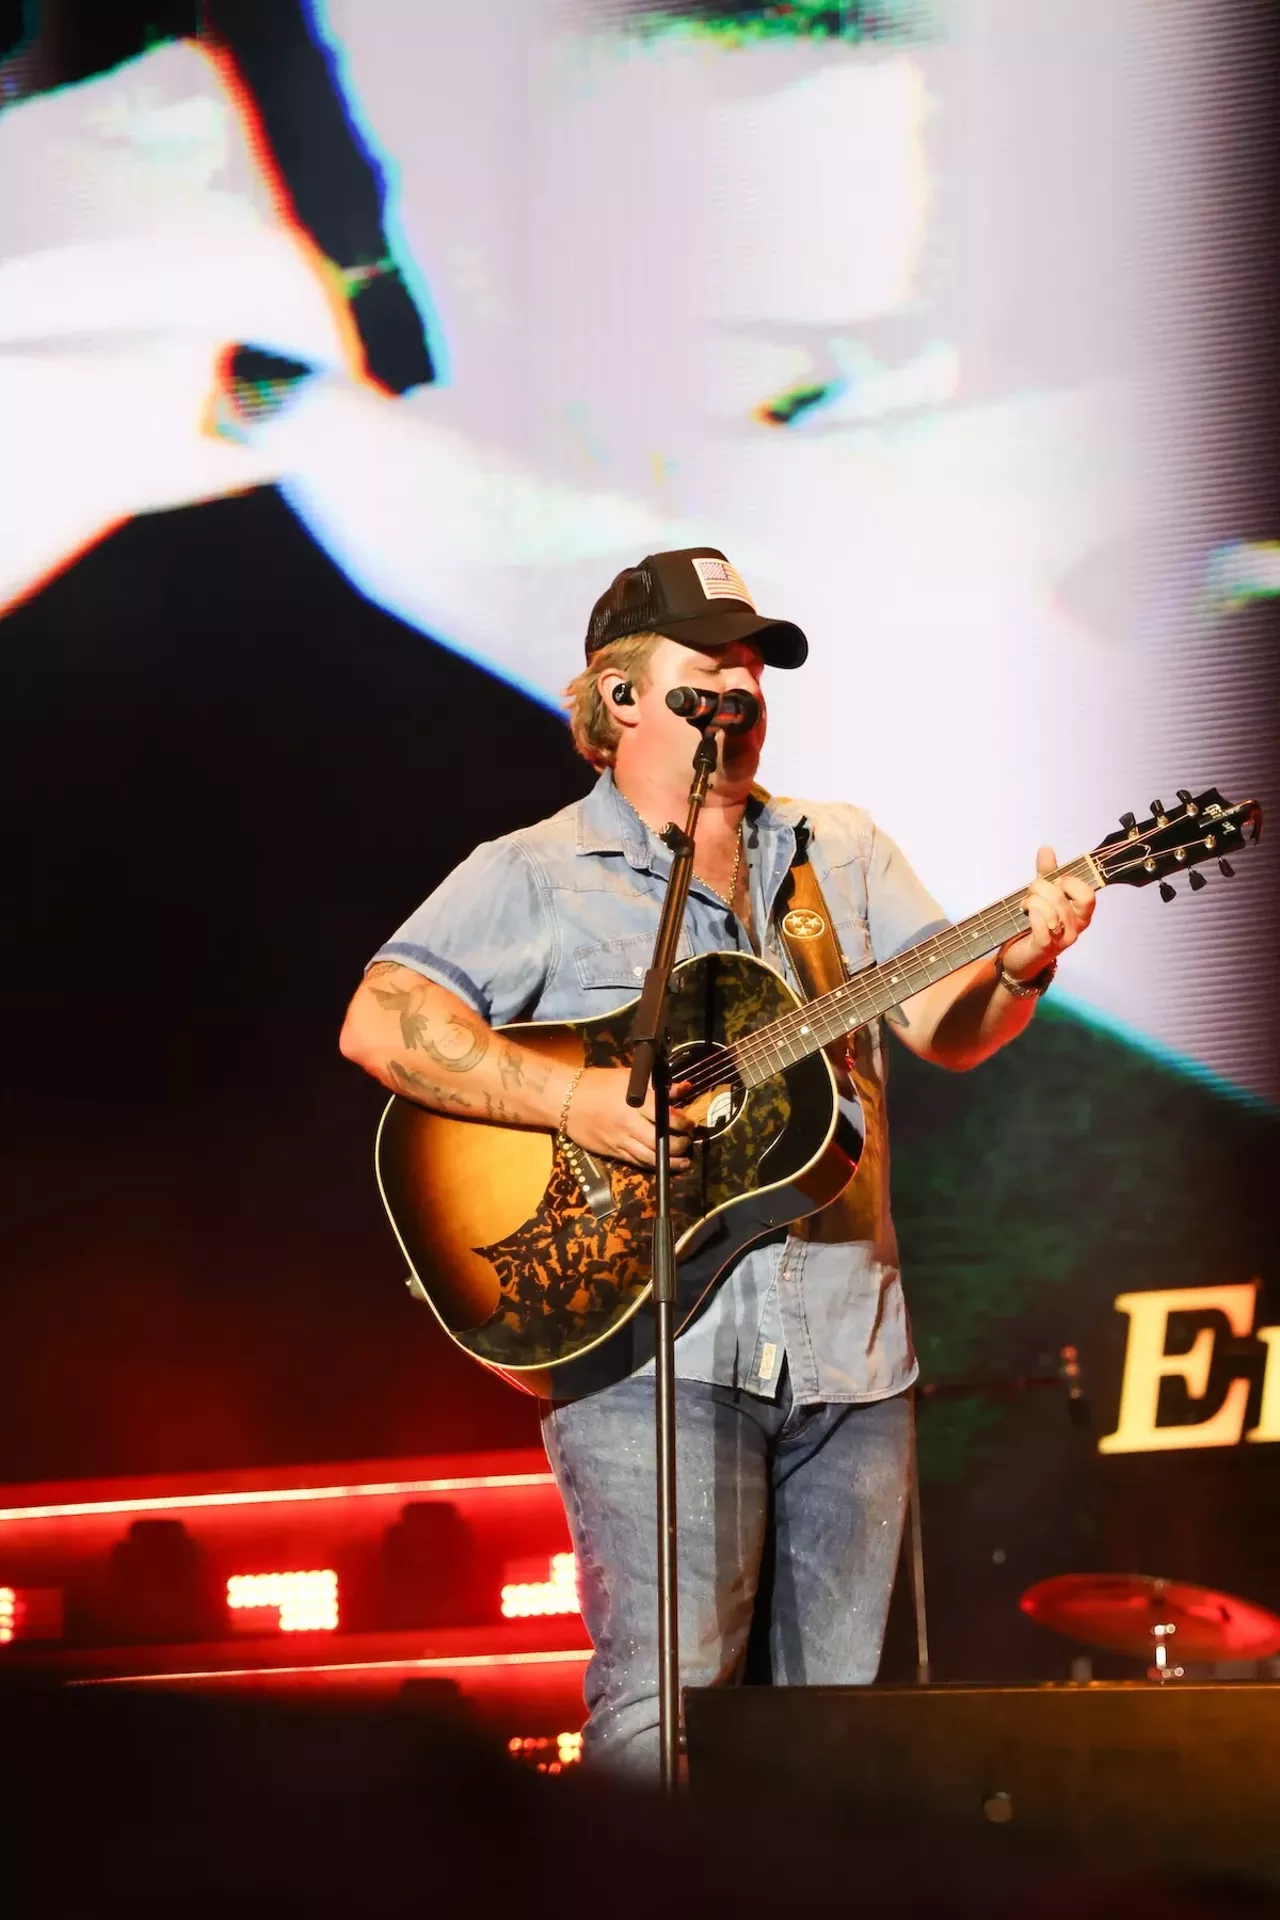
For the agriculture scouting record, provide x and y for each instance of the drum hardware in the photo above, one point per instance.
(1153, 1618)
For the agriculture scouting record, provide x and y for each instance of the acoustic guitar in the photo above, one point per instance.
(534, 1254)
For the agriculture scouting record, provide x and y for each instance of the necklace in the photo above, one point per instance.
(725, 900)
(732, 894)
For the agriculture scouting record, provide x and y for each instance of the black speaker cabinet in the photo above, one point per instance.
(1181, 1776)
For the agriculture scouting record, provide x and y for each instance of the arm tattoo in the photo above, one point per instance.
(897, 1018)
(416, 1086)
(467, 1047)
(405, 1001)
(519, 1069)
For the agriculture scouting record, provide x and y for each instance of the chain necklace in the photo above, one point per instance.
(725, 900)
(732, 894)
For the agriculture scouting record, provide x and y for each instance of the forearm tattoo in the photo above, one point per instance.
(519, 1069)
(427, 1092)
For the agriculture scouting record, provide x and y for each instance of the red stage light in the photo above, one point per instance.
(547, 1752)
(303, 1602)
(30, 1613)
(435, 1663)
(280, 1496)
(556, 1594)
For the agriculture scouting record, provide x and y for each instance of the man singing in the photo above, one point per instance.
(791, 1384)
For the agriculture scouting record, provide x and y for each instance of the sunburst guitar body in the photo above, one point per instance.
(536, 1256)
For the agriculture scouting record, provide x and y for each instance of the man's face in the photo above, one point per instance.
(662, 738)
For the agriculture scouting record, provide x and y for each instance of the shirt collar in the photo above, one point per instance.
(607, 824)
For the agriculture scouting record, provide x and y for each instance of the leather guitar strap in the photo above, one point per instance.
(807, 932)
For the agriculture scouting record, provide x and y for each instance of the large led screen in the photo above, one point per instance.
(347, 349)
(923, 313)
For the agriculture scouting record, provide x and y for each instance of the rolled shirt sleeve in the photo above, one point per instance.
(486, 933)
(900, 909)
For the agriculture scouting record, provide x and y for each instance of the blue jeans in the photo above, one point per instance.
(834, 1480)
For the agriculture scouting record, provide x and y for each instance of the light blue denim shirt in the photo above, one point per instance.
(557, 921)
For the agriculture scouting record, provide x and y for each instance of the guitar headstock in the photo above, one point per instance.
(1202, 826)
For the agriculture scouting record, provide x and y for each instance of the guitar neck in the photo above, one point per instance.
(876, 989)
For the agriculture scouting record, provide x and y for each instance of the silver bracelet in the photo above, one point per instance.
(563, 1128)
(1025, 989)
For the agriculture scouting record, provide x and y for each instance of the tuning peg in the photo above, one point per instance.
(1167, 892)
(1129, 821)
(1157, 809)
(1225, 867)
(1188, 800)
(1198, 882)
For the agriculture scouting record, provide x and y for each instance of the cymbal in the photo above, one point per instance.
(1120, 1610)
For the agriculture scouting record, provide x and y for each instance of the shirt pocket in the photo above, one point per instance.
(845, 891)
(618, 967)
(854, 940)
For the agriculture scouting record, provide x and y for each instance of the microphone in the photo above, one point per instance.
(695, 704)
(734, 712)
(737, 711)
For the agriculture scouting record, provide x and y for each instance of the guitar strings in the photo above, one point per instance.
(728, 1061)
(857, 997)
(851, 1001)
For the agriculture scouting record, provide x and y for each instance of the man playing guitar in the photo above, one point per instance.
(791, 1383)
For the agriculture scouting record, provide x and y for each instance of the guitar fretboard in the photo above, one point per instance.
(878, 988)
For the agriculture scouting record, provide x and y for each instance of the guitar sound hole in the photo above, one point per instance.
(714, 1107)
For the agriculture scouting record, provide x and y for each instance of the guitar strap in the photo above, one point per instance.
(808, 934)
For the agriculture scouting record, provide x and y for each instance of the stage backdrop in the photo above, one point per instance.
(346, 351)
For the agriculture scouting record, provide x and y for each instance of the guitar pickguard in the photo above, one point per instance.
(565, 1276)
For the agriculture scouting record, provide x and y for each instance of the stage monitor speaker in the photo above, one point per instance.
(1182, 1776)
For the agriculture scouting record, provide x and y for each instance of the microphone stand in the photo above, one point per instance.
(650, 1064)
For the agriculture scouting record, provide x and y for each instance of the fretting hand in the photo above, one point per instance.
(1058, 909)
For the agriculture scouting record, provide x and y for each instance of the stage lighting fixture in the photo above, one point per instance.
(546, 1752)
(302, 1602)
(159, 1587)
(30, 1613)
(558, 1593)
(431, 1573)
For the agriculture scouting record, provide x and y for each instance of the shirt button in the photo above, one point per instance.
(638, 972)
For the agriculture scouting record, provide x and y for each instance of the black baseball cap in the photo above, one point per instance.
(693, 595)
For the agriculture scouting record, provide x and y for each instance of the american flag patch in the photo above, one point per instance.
(720, 581)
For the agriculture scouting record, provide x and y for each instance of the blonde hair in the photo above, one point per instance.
(595, 731)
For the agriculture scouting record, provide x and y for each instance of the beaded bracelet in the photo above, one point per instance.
(563, 1128)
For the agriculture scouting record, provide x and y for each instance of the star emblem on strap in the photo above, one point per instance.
(803, 924)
